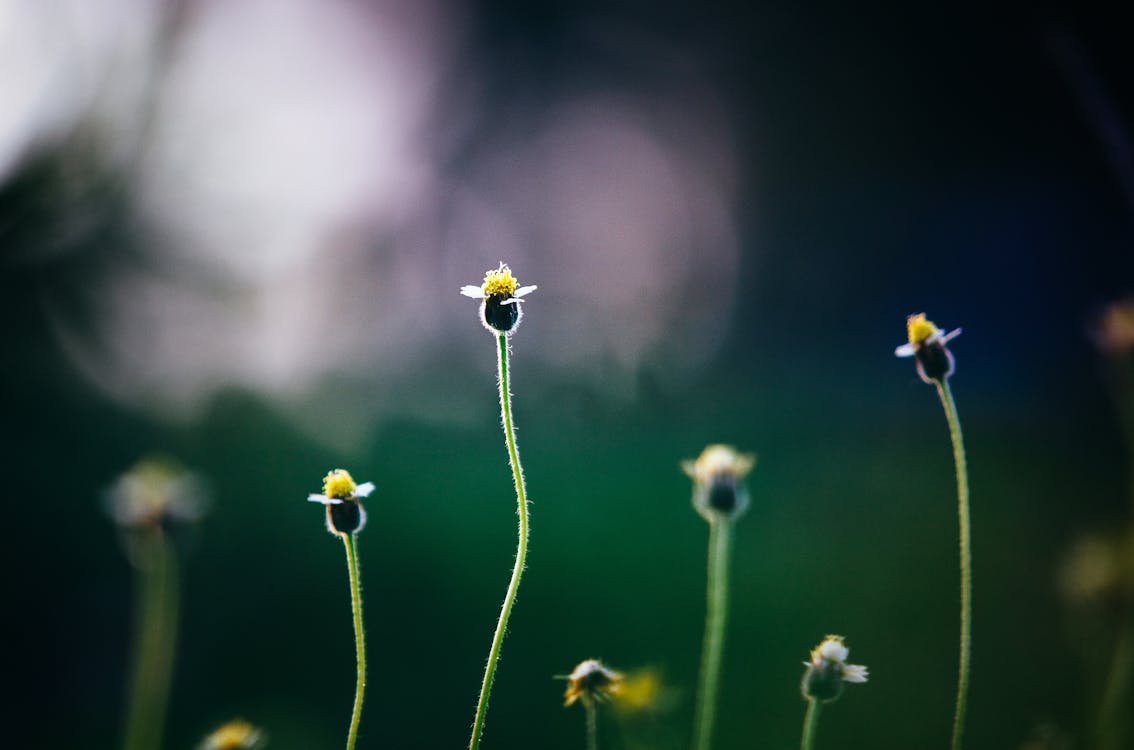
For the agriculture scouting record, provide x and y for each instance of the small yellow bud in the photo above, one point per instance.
(499, 282)
(235, 735)
(920, 330)
(338, 484)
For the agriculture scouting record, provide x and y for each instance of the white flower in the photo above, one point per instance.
(499, 295)
(828, 670)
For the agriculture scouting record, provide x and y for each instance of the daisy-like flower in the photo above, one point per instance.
(927, 345)
(592, 682)
(718, 481)
(156, 493)
(235, 735)
(500, 296)
(827, 671)
(345, 514)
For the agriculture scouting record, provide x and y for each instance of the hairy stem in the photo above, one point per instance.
(351, 545)
(966, 559)
(521, 548)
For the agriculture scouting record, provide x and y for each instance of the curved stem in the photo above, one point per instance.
(720, 532)
(351, 545)
(521, 548)
(810, 722)
(592, 724)
(156, 638)
(966, 558)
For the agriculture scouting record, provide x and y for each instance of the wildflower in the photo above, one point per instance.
(500, 307)
(927, 345)
(828, 670)
(345, 514)
(718, 481)
(155, 494)
(593, 682)
(235, 735)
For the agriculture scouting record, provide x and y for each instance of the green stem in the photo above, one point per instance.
(156, 638)
(720, 532)
(351, 545)
(1113, 720)
(966, 558)
(521, 548)
(810, 722)
(592, 724)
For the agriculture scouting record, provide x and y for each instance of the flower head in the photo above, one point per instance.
(591, 681)
(235, 735)
(718, 481)
(345, 514)
(500, 296)
(1113, 331)
(155, 493)
(927, 345)
(828, 670)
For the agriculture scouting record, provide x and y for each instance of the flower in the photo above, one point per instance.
(927, 345)
(828, 670)
(155, 493)
(592, 681)
(718, 481)
(500, 309)
(1113, 331)
(345, 514)
(235, 735)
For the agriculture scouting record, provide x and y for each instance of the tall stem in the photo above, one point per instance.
(810, 722)
(521, 548)
(1113, 721)
(592, 724)
(716, 613)
(351, 545)
(155, 639)
(966, 558)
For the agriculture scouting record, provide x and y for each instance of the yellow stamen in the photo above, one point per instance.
(499, 282)
(338, 484)
(920, 329)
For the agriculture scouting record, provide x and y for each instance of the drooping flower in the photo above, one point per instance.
(500, 296)
(345, 514)
(591, 682)
(926, 344)
(827, 671)
(718, 481)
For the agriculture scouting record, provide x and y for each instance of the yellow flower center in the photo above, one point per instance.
(920, 329)
(338, 484)
(499, 282)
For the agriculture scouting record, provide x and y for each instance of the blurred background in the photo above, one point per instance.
(234, 233)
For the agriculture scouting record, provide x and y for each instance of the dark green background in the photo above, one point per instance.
(900, 161)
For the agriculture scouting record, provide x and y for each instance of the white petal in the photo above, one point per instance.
(511, 301)
(472, 291)
(524, 291)
(364, 489)
(833, 650)
(951, 335)
(854, 673)
(323, 499)
(906, 350)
